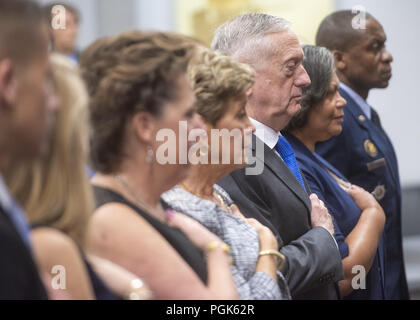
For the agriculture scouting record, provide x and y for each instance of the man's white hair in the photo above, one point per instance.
(239, 36)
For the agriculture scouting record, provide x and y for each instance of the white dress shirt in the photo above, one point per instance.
(266, 135)
(5, 198)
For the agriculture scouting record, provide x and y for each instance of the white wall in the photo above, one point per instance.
(89, 27)
(110, 17)
(155, 14)
(399, 105)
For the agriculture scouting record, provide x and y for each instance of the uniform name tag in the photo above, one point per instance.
(376, 164)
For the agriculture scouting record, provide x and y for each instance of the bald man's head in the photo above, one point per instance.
(336, 32)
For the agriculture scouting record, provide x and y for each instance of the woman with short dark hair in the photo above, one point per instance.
(359, 219)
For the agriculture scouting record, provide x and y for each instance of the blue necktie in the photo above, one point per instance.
(286, 152)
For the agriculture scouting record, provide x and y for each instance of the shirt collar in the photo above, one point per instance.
(5, 198)
(358, 99)
(265, 133)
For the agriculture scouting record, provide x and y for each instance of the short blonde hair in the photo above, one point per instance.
(55, 190)
(217, 78)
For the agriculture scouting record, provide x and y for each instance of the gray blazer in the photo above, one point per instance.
(276, 198)
(239, 235)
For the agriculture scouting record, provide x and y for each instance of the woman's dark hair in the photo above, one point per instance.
(319, 64)
(133, 72)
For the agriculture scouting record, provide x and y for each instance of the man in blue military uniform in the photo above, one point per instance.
(363, 152)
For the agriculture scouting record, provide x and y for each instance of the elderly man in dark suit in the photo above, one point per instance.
(363, 151)
(25, 108)
(278, 197)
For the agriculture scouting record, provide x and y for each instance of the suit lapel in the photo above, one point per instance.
(379, 138)
(278, 167)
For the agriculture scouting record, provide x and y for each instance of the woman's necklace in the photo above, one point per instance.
(215, 196)
(140, 202)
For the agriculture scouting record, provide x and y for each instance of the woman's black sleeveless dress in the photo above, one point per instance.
(176, 238)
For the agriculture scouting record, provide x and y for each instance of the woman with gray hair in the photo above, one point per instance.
(220, 86)
(359, 219)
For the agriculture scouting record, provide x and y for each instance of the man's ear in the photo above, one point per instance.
(340, 60)
(143, 125)
(8, 83)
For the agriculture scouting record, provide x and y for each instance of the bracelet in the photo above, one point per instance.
(138, 291)
(217, 244)
(135, 284)
(280, 257)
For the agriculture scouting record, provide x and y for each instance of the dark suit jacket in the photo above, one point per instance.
(348, 154)
(19, 278)
(276, 198)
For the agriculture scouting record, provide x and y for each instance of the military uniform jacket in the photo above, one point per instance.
(364, 154)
